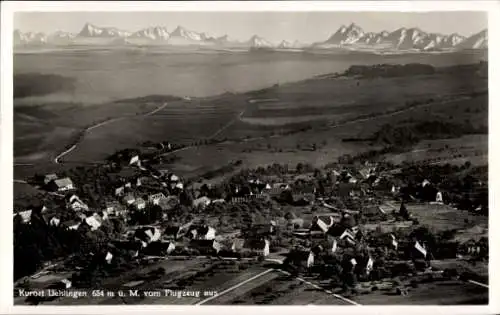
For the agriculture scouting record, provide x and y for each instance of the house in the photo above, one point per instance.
(174, 178)
(48, 178)
(66, 283)
(60, 285)
(76, 204)
(102, 215)
(263, 229)
(439, 197)
(139, 203)
(108, 257)
(385, 209)
(321, 224)
(278, 188)
(365, 172)
(120, 191)
(349, 236)
(129, 199)
(63, 184)
(135, 161)
(114, 208)
(92, 222)
(25, 215)
(208, 247)
(328, 245)
(257, 246)
(71, 224)
(202, 232)
(54, 221)
(156, 198)
(147, 235)
(300, 258)
(201, 202)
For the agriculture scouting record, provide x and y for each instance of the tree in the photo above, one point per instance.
(299, 168)
(186, 198)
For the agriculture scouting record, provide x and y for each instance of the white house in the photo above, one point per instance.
(63, 184)
(48, 178)
(25, 215)
(147, 235)
(140, 203)
(76, 204)
(129, 199)
(93, 223)
(66, 283)
(54, 221)
(120, 191)
(203, 233)
(156, 198)
(135, 161)
(322, 225)
(108, 257)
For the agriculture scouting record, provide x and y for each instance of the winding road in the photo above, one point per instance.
(58, 158)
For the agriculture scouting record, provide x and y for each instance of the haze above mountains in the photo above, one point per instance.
(350, 37)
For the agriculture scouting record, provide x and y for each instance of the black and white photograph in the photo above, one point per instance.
(321, 157)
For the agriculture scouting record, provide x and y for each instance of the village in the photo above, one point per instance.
(355, 228)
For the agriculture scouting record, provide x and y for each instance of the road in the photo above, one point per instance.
(57, 160)
(227, 125)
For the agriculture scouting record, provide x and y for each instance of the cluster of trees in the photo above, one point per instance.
(389, 70)
(467, 192)
(410, 134)
(38, 242)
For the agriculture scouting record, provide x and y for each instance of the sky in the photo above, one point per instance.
(274, 26)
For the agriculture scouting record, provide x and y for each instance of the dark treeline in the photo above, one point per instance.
(389, 70)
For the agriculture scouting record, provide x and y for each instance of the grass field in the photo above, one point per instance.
(473, 148)
(436, 293)
(443, 217)
(278, 289)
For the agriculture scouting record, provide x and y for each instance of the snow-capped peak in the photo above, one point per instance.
(187, 34)
(153, 33)
(256, 41)
(346, 35)
(90, 30)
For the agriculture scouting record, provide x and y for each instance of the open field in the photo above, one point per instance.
(226, 117)
(173, 268)
(324, 99)
(473, 148)
(443, 217)
(296, 148)
(278, 289)
(435, 293)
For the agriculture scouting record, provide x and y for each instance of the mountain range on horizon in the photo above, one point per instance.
(350, 37)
